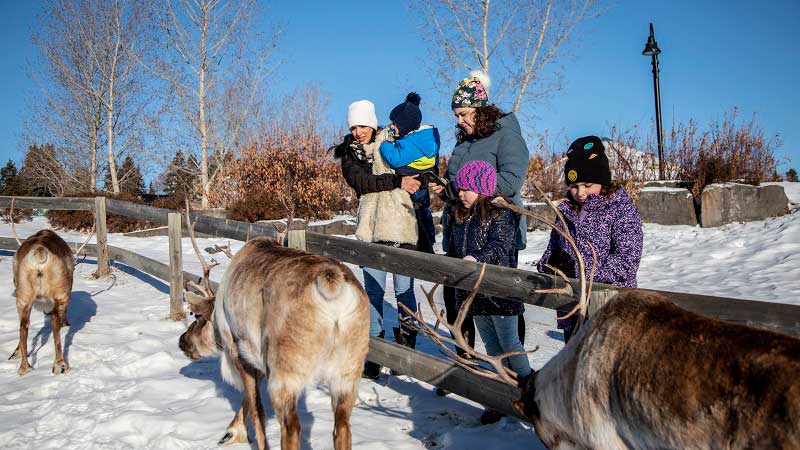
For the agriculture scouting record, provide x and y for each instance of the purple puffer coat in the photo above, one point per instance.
(613, 226)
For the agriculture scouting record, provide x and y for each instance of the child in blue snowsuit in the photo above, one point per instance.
(415, 150)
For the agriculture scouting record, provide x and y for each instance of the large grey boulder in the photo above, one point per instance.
(730, 202)
(666, 203)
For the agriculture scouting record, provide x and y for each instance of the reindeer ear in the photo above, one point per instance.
(199, 305)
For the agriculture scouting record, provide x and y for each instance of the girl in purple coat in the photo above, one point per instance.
(599, 212)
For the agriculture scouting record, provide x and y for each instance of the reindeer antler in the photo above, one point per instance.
(501, 372)
(205, 289)
(11, 219)
(585, 288)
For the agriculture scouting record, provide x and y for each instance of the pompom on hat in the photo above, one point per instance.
(587, 162)
(407, 115)
(477, 176)
(362, 113)
(472, 92)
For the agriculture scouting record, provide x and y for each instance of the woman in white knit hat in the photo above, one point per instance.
(385, 214)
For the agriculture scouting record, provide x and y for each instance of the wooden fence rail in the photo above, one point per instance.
(416, 364)
(504, 282)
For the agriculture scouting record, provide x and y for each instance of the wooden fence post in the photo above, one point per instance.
(297, 239)
(102, 239)
(176, 311)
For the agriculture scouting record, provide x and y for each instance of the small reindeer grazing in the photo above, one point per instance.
(287, 315)
(643, 373)
(42, 268)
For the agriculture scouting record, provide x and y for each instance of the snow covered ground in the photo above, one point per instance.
(131, 388)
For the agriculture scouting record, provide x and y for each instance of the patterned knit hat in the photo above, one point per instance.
(472, 92)
(407, 116)
(477, 176)
(587, 162)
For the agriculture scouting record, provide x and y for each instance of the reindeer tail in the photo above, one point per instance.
(38, 256)
(329, 283)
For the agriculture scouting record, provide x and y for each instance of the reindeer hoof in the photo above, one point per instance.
(234, 437)
(16, 355)
(60, 368)
(24, 369)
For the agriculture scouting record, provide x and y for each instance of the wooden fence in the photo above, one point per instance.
(504, 282)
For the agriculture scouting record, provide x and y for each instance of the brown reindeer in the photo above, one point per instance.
(287, 315)
(42, 269)
(642, 373)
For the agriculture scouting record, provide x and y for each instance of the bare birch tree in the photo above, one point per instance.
(68, 108)
(125, 36)
(217, 69)
(512, 41)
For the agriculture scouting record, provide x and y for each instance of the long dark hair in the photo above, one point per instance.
(486, 118)
(483, 202)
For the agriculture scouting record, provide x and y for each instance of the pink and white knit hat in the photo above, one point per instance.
(477, 176)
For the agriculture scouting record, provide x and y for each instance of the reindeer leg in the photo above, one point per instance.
(236, 433)
(56, 320)
(24, 310)
(343, 399)
(252, 404)
(284, 402)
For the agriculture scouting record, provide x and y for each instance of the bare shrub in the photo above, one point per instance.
(729, 150)
(546, 167)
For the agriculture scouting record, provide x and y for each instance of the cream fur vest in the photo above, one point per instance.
(386, 216)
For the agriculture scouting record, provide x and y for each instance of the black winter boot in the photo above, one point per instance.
(405, 338)
(372, 370)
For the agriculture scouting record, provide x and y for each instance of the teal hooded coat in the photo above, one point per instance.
(507, 151)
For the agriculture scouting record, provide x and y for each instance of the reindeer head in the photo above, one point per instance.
(199, 340)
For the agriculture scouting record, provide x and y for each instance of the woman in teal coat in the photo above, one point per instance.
(484, 133)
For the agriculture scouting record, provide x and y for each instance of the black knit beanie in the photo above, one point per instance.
(407, 116)
(587, 162)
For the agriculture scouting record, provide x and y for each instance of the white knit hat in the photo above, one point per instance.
(362, 113)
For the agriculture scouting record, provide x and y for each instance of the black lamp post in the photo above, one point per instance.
(651, 49)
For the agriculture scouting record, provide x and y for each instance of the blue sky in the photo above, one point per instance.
(716, 55)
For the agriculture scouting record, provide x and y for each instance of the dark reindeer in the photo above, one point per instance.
(642, 373)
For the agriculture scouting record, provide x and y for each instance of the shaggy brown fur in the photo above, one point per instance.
(294, 317)
(646, 374)
(43, 268)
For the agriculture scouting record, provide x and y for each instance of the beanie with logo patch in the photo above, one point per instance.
(587, 162)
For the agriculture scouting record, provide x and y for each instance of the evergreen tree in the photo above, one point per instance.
(11, 183)
(791, 175)
(44, 174)
(150, 189)
(131, 180)
(174, 178)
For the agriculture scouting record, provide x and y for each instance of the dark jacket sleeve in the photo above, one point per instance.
(500, 240)
(358, 176)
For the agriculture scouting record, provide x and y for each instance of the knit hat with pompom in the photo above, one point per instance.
(407, 115)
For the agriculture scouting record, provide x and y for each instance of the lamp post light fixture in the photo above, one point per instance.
(651, 49)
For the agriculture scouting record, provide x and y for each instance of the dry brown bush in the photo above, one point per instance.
(84, 220)
(545, 168)
(278, 175)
